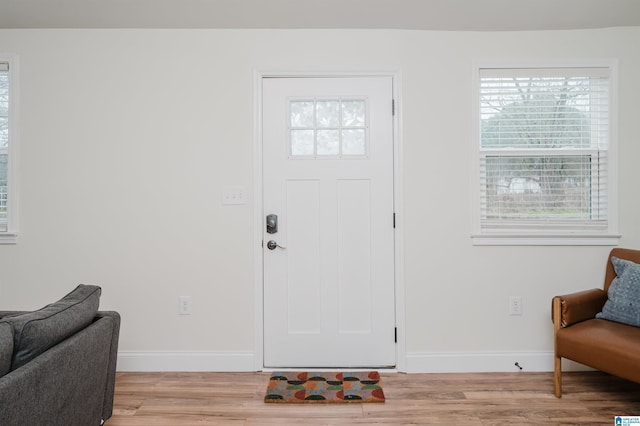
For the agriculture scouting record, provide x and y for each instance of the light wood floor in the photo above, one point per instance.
(184, 399)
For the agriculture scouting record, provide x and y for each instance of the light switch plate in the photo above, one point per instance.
(234, 195)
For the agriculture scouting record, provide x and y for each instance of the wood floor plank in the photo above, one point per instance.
(478, 399)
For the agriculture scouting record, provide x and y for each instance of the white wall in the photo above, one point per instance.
(128, 136)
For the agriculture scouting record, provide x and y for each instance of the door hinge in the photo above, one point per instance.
(393, 107)
(395, 335)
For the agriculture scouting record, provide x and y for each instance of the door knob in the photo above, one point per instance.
(272, 245)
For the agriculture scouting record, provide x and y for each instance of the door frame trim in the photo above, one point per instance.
(398, 201)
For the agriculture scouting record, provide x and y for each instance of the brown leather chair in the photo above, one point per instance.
(605, 345)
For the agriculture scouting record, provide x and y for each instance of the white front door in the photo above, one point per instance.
(328, 177)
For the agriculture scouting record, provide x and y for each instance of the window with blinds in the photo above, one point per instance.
(4, 145)
(543, 152)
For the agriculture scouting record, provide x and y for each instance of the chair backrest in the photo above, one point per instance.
(620, 253)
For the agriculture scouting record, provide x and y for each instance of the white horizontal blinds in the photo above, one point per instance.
(4, 143)
(543, 147)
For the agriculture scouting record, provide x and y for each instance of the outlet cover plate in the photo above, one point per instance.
(515, 305)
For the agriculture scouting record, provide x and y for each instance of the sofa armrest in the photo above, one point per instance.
(114, 317)
(581, 306)
(62, 386)
(112, 321)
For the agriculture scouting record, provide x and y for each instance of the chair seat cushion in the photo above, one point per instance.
(605, 345)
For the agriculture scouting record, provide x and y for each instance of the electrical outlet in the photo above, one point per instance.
(515, 305)
(185, 307)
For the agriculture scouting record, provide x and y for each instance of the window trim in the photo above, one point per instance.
(10, 236)
(556, 237)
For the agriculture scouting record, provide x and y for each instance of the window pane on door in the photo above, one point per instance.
(302, 142)
(328, 142)
(302, 114)
(328, 113)
(353, 142)
(353, 113)
(328, 128)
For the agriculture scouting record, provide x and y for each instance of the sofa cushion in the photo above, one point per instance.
(35, 332)
(623, 297)
(6, 348)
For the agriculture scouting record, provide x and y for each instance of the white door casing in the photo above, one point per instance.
(329, 295)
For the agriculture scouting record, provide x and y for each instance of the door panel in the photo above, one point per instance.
(303, 257)
(354, 256)
(328, 175)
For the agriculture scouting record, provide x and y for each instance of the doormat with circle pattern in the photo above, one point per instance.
(301, 387)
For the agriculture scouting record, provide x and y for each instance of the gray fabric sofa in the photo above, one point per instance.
(58, 364)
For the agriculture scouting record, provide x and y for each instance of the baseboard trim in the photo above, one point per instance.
(186, 361)
(417, 362)
(485, 362)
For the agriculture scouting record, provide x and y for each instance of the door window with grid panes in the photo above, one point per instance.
(327, 128)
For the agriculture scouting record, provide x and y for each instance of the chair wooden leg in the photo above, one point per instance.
(557, 376)
(557, 361)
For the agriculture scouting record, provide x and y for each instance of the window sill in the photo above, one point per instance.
(514, 239)
(8, 238)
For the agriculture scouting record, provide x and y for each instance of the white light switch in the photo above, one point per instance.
(234, 195)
